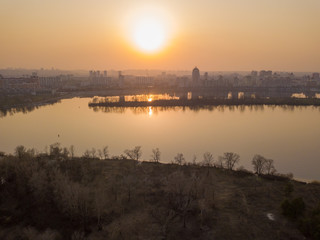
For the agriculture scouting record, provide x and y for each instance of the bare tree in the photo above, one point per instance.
(32, 152)
(180, 196)
(100, 199)
(30, 233)
(86, 154)
(219, 162)
(129, 183)
(100, 154)
(207, 159)
(134, 154)
(78, 235)
(71, 150)
(55, 150)
(46, 151)
(65, 152)
(90, 153)
(73, 198)
(93, 153)
(259, 163)
(194, 160)
(269, 166)
(105, 151)
(20, 151)
(229, 160)
(179, 159)
(155, 155)
(165, 217)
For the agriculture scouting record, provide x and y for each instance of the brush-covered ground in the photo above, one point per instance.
(56, 197)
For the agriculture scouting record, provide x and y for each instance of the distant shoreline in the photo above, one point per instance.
(212, 102)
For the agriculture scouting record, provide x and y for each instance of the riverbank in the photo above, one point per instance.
(114, 198)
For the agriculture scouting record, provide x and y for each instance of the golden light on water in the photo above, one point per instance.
(150, 111)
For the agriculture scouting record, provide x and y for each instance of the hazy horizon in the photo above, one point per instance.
(84, 70)
(213, 35)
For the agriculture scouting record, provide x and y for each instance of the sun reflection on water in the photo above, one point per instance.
(150, 111)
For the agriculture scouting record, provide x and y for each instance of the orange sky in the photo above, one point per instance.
(281, 35)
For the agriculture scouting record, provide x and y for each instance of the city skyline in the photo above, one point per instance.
(214, 35)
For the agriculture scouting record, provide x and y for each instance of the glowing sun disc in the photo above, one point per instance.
(149, 35)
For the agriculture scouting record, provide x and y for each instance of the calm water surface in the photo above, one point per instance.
(289, 135)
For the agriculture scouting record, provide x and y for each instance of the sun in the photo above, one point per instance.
(149, 29)
(149, 35)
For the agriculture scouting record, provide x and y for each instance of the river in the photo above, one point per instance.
(288, 135)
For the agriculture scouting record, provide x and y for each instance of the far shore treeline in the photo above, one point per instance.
(212, 102)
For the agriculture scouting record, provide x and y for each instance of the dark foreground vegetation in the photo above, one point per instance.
(59, 196)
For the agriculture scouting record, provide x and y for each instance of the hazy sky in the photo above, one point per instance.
(214, 35)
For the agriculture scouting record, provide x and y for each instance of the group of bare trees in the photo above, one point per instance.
(100, 153)
(208, 159)
(262, 165)
(134, 154)
(179, 159)
(228, 160)
(155, 156)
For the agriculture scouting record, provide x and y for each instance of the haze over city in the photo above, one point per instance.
(214, 35)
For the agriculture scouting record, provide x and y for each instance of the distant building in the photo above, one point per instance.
(120, 80)
(254, 74)
(55, 82)
(195, 76)
(144, 81)
(315, 76)
(2, 82)
(206, 76)
(182, 81)
(265, 74)
(98, 79)
(21, 84)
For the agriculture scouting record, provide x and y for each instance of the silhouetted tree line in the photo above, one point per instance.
(200, 102)
(211, 108)
(25, 104)
(57, 195)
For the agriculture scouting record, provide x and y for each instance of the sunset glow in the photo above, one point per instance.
(214, 35)
(154, 119)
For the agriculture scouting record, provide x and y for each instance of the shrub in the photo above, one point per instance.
(293, 209)
(288, 189)
(310, 226)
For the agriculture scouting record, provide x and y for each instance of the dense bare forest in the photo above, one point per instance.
(56, 195)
